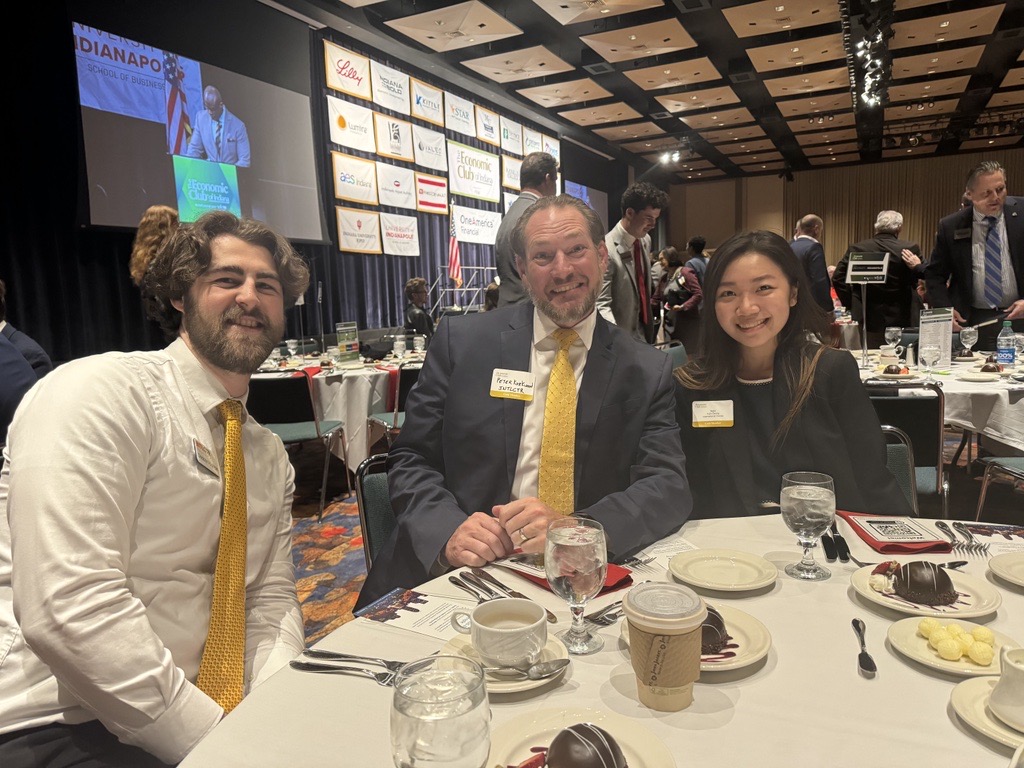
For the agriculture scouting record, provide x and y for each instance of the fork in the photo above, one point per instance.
(958, 546)
(386, 679)
(315, 653)
(637, 562)
(607, 615)
(975, 545)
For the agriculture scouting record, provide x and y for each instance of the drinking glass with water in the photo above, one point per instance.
(929, 356)
(893, 334)
(808, 505)
(576, 563)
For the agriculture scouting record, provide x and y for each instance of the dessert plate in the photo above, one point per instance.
(978, 377)
(512, 741)
(749, 636)
(899, 376)
(555, 649)
(969, 700)
(977, 598)
(1009, 566)
(904, 638)
(727, 570)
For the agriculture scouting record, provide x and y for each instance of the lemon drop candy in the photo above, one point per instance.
(926, 626)
(937, 636)
(949, 649)
(980, 653)
(983, 635)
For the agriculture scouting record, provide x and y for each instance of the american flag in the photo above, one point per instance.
(179, 129)
(454, 262)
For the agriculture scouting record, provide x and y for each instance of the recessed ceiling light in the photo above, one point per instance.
(944, 24)
(940, 39)
(780, 8)
(632, 37)
(795, 49)
(667, 71)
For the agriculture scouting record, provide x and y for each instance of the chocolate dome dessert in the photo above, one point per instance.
(990, 368)
(584, 745)
(964, 352)
(713, 637)
(925, 583)
(891, 369)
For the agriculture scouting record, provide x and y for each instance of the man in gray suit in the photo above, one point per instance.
(218, 135)
(467, 472)
(626, 292)
(538, 177)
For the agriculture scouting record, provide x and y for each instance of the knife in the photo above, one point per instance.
(829, 546)
(842, 548)
(480, 573)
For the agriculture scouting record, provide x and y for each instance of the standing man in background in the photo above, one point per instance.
(626, 291)
(218, 135)
(417, 319)
(538, 177)
(698, 261)
(807, 247)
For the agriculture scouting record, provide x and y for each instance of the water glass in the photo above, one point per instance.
(576, 563)
(399, 347)
(969, 337)
(929, 356)
(439, 714)
(808, 503)
(293, 347)
(419, 343)
(893, 334)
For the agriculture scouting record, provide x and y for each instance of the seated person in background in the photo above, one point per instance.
(146, 577)
(795, 404)
(25, 344)
(16, 378)
(473, 474)
(417, 319)
(491, 293)
(155, 226)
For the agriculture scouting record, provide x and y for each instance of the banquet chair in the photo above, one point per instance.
(373, 499)
(676, 351)
(287, 407)
(392, 421)
(899, 458)
(1006, 465)
(922, 417)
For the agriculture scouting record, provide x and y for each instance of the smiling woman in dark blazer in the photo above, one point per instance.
(796, 404)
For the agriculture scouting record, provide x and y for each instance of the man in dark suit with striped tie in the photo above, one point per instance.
(980, 252)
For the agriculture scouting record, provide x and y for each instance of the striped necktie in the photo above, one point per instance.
(556, 485)
(222, 669)
(993, 264)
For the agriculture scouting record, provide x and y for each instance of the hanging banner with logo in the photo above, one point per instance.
(358, 231)
(427, 101)
(390, 87)
(473, 226)
(532, 141)
(510, 172)
(396, 186)
(487, 126)
(351, 125)
(428, 147)
(509, 198)
(473, 172)
(355, 179)
(401, 234)
(458, 115)
(394, 137)
(346, 71)
(431, 193)
(511, 136)
(552, 147)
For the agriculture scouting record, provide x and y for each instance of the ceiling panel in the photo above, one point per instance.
(931, 89)
(699, 175)
(797, 53)
(797, 85)
(942, 27)
(746, 147)
(732, 134)
(922, 149)
(1013, 78)
(674, 75)
(655, 39)
(705, 98)
(456, 26)
(763, 167)
(1008, 99)
(831, 121)
(923, 64)
(835, 159)
(921, 111)
(653, 143)
(816, 105)
(562, 94)
(627, 132)
(577, 11)
(832, 149)
(718, 119)
(519, 65)
(606, 113)
(826, 137)
(770, 16)
(997, 141)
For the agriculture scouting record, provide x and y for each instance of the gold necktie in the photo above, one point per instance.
(555, 486)
(222, 669)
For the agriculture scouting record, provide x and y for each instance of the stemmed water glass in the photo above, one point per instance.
(808, 503)
(576, 562)
(293, 347)
(969, 337)
(440, 715)
(929, 356)
(893, 334)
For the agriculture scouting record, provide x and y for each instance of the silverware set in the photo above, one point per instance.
(606, 616)
(480, 584)
(639, 563)
(835, 546)
(383, 678)
(969, 546)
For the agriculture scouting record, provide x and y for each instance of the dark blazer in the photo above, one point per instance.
(458, 449)
(951, 257)
(418, 320)
(812, 258)
(889, 303)
(836, 432)
(16, 378)
(510, 288)
(30, 350)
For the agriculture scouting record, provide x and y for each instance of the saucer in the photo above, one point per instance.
(555, 649)
(726, 570)
(978, 377)
(898, 376)
(904, 638)
(977, 598)
(970, 702)
(1009, 566)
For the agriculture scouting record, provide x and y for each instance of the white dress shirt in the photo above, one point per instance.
(979, 234)
(542, 359)
(113, 523)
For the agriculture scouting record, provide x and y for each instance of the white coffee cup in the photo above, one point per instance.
(890, 353)
(508, 632)
(1007, 700)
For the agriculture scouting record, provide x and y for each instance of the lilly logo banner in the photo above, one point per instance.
(346, 71)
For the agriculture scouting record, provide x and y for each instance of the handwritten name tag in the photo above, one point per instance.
(515, 385)
(712, 413)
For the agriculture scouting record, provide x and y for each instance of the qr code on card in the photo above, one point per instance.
(894, 530)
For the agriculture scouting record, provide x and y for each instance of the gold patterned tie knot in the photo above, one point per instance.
(565, 338)
(222, 668)
(555, 483)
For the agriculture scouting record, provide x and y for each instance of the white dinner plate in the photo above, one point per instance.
(555, 649)
(978, 377)
(970, 702)
(750, 641)
(899, 376)
(727, 570)
(977, 598)
(905, 639)
(1009, 566)
(512, 741)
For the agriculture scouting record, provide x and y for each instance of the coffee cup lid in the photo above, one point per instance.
(664, 607)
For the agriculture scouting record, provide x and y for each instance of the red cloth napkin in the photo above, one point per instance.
(617, 577)
(909, 547)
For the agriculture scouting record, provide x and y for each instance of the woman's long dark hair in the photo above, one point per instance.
(801, 340)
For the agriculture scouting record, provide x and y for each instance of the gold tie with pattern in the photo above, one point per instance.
(555, 485)
(222, 669)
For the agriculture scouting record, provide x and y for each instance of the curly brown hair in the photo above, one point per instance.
(155, 227)
(186, 255)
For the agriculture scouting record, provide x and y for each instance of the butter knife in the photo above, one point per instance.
(829, 546)
(480, 573)
(842, 548)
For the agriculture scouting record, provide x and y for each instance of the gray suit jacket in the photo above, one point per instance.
(234, 142)
(619, 301)
(459, 447)
(510, 290)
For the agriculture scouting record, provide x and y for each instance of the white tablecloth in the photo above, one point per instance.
(805, 704)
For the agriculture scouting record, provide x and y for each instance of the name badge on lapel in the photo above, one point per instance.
(962, 234)
(513, 385)
(712, 413)
(205, 458)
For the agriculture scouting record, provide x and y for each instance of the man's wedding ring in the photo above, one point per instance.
(523, 538)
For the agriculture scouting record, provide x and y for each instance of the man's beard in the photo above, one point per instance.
(210, 338)
(565, 317)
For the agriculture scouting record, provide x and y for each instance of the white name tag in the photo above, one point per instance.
(205, 457)
(712, 413)
(515, 385)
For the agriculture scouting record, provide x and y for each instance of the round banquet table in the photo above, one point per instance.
(804, 704)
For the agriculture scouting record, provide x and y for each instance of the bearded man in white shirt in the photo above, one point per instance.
(111, 494)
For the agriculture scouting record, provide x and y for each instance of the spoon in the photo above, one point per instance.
(539, 671)
(867, 664)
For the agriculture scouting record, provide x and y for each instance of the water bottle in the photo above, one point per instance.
(1006, 344)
